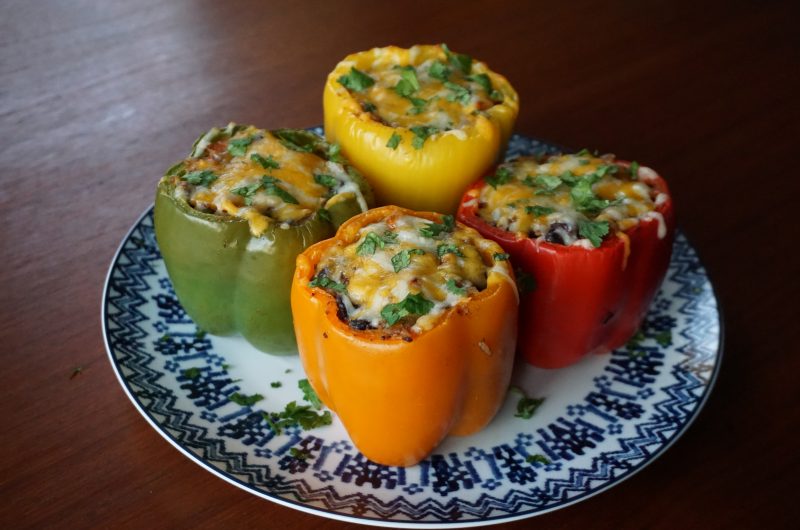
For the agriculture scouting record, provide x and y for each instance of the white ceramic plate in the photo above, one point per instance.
(602, 421)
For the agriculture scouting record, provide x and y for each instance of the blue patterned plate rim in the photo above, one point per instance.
(609, 404)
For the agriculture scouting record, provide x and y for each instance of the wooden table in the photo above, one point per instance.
(97, 98)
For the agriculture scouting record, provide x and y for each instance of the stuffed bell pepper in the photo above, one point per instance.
(406, 326)
(591, 238)
(232, 217)
(438, 118)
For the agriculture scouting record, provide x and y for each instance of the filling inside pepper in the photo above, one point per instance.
(572, 199)
(434, 94)
(404, 272)
(260, 176)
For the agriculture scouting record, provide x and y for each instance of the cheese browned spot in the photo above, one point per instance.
(393, 259)
(563, 198)
(429, 92)
(254, 176)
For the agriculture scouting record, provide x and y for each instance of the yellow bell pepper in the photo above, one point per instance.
(399, 398)
(433, 175)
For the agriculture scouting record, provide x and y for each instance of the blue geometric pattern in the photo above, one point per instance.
(621, 411)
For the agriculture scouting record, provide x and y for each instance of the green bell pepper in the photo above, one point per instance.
(230, 279)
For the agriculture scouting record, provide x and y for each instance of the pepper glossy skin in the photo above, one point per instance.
(229, 280)
(434, 176)
(399, 399)
(585, 301)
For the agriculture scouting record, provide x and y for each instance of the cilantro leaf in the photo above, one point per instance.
(418, 103)
(334, 153)
(547, 182)
(271, 187)
(413, 304)
(394, 141)
(309, 394)
(539, 211)
(459, 93)
(178, 169)
(583, 152)
(408, 83)
(276, 384)
(498, 256)
(594, 231)
(266, 163)
(568, 178)
(537, 459)
(238, 146)
(421, 133)
(583, 196)
(245, 400)
(191, 373)
(373, 242)
(501, 176)
(439, 70)
(634, 169)
(664, 338)
(248, 192)
(453, 287)
(527, 406)
(295, 414)
(356, 80)
(434, 229)
(402, 259)
(320, 280)
(458, 60)
(486, 83)
(301, 141)
(326, 180)
(200, 178)
(448, 248)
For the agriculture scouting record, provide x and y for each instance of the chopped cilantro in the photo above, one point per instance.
(300, 141)
(421, 133)
(356, 80)
(271, 187)
(539, 211)
(191, 373)
(547, 182)
(664, 338)
(238, 146)
(498, 256)
(486, 83)
(295, 414)
(373, 242)
(177, 169)
(594, 231)
(245, 400)
(434, 229)
(225, 366)
(276, 384)
(501, 176)
(453, 287)
(583, 196)
(458, 93)
(266, 163)
(309, 394)
(298, 453)
(527, 406)
(402, 259)
(334, 153)
(200, 334)
(439, 70)
(537, 459)
(583, 152)
(165, 337)
(568, 178)
(458, 60)
(394, 141)
(448, 248)
(324, 282)
(418, 103)
(326, 180)
(637, 339)
(200, 178)
(413, 304)
(634, 169)
(408, 83)
(248, 192)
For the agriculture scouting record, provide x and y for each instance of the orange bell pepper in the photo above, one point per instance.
(398, 399)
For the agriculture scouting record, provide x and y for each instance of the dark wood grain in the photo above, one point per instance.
(97, 98)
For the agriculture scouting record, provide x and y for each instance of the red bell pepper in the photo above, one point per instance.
(584, 300)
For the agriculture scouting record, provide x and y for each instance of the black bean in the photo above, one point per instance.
(559, 233)
(360, 324)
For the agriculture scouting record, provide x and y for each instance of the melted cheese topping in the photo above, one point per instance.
(227, 179)
(445, 270)
(552, 200)
(447, 98)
